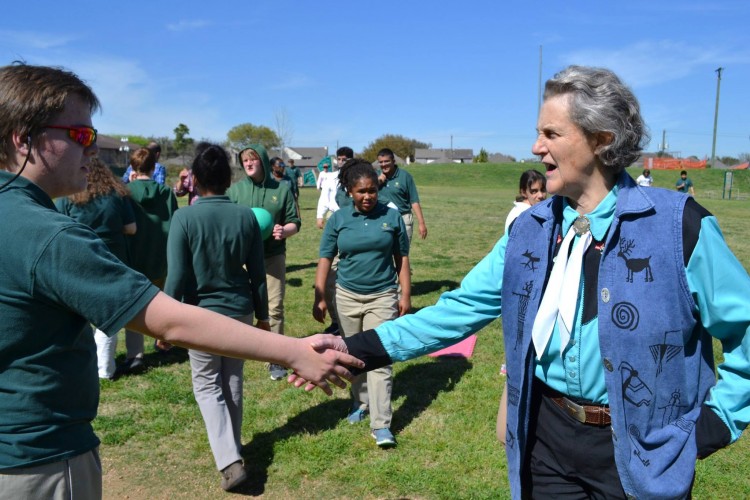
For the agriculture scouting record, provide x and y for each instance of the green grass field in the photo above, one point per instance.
(296, 444)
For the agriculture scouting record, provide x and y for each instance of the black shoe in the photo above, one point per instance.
(333, 329)
(130, 366)
(233, 476)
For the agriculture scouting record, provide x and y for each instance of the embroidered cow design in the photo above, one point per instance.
(634, 265)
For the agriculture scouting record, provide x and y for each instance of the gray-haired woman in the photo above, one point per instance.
(610, 294)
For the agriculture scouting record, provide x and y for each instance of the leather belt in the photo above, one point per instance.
(586, 414)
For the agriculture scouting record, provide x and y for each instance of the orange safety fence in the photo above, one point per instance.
(673, 164)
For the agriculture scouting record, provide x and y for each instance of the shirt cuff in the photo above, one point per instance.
(367, 347)
(711, 434)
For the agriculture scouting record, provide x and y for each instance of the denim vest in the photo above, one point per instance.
(656, 356)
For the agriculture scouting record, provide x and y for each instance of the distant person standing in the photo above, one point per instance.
(532, 189)
(397, 187)
(645, 179)
(185, 185)
(105, 206)
(684, 185)
(160, 173)
(326, 184)
(155, 204)
(261, 189)
(294, 174)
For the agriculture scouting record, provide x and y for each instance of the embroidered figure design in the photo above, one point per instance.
(634, 265)
(531, 261)
(513, 395)
(664, 352)
(625, 316)
(671, 409)
(523, 306)
(634, 389)
(510, 439)
(635, 436)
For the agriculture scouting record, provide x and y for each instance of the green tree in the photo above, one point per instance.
(246, 133)
(182, 143)
(402, 146)
(481, 157)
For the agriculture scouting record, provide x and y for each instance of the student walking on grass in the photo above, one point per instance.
(611, 297)
(106, 207)
(215, 255)
(155, 204)
(57, 276)
(260, 189)
(373, 248)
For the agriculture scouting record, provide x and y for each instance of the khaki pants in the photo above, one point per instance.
(409, 222)
(276, 286)
(77, 478)
(363, 312)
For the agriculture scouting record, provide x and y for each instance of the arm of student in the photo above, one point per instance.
(180, 324)
(319, 307)
(417, 209)
(404, 279)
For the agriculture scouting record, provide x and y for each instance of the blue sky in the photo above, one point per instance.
(344, 73)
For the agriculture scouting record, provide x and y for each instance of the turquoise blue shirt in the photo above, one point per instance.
(717, 281)
(366, 243)
(579, 372)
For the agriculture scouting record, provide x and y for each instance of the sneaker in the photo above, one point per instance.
(333, 329)
(384, 438)
(277, 371)
(131, 366)
(357, 415)
(233, 476)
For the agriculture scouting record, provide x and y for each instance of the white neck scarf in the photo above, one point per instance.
(561, 295)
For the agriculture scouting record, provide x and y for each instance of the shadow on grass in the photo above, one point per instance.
(420, 384)
(300, 267)
(258, 454)
(429, 286)
(152, 360)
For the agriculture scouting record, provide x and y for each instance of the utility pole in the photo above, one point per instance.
(716, 114)
(539, 101)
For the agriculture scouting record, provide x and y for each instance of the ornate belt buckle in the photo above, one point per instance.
(575, 411)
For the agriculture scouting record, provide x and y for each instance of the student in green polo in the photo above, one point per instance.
(215, 256)
(260, 189)
(397, 187)
(373, 248)
(57, 276)
(155, 204)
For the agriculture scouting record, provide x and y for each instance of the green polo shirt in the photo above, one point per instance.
(215, 255)
(56, 276)
(107, 215)
(366, 244)
(154, 207)
(399, 190)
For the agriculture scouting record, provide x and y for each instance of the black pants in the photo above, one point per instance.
(565, 458)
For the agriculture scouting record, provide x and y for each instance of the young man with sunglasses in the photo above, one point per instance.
(57, 276)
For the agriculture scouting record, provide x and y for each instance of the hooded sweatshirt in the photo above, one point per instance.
(275, 197)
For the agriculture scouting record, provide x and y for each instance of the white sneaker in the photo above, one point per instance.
(277, 371)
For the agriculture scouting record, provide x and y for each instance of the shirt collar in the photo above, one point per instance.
(600, 218)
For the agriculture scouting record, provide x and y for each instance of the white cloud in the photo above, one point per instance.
(650, 63)
(33, 40)
(184, 25)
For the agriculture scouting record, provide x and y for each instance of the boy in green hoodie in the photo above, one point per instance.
(260, 189)
(154, 207)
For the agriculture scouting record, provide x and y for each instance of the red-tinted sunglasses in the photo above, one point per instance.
(85, 136)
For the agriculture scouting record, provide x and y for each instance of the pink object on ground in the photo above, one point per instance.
(464, 349)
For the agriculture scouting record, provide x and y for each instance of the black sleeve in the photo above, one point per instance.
(692, 217)
(711, 433)
(367, 347)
